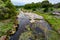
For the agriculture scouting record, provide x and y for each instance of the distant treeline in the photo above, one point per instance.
(44, 4)
(7, 9)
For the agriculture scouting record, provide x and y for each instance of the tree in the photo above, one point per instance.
(7, 10)
(32, 5)
(46, 5)
(45, 0)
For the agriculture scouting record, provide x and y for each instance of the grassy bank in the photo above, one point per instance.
(55, 22)
(5, 26)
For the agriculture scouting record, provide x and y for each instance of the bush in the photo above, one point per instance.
(7, 10)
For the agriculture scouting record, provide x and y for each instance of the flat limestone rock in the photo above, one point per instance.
(33, 16)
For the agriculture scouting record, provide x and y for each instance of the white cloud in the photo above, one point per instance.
(54, 1)
(29, 1)
(22, 2)
(26, 1)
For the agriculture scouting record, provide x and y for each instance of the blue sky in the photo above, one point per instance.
(22, 2)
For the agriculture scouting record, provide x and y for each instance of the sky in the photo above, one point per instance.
(22, 2)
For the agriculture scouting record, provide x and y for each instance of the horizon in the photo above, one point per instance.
(23, 2)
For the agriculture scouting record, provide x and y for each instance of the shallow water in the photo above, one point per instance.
(23, 21)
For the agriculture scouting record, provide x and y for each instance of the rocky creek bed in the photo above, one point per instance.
(37, 27)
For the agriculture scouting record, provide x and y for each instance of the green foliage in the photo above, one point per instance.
(53, 36)
(40, 5)
(4, 27)
(7, 10)
(45, 10)
(4, 0)
(45, 0)
(45, 4)
(32, 6)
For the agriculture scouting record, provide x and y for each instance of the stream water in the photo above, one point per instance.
(23, 21)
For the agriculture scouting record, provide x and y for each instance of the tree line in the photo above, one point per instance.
(44, 4)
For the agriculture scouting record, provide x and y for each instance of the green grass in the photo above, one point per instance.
(4, 27)
(56, 9)
(55, 22)
(53, 36)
